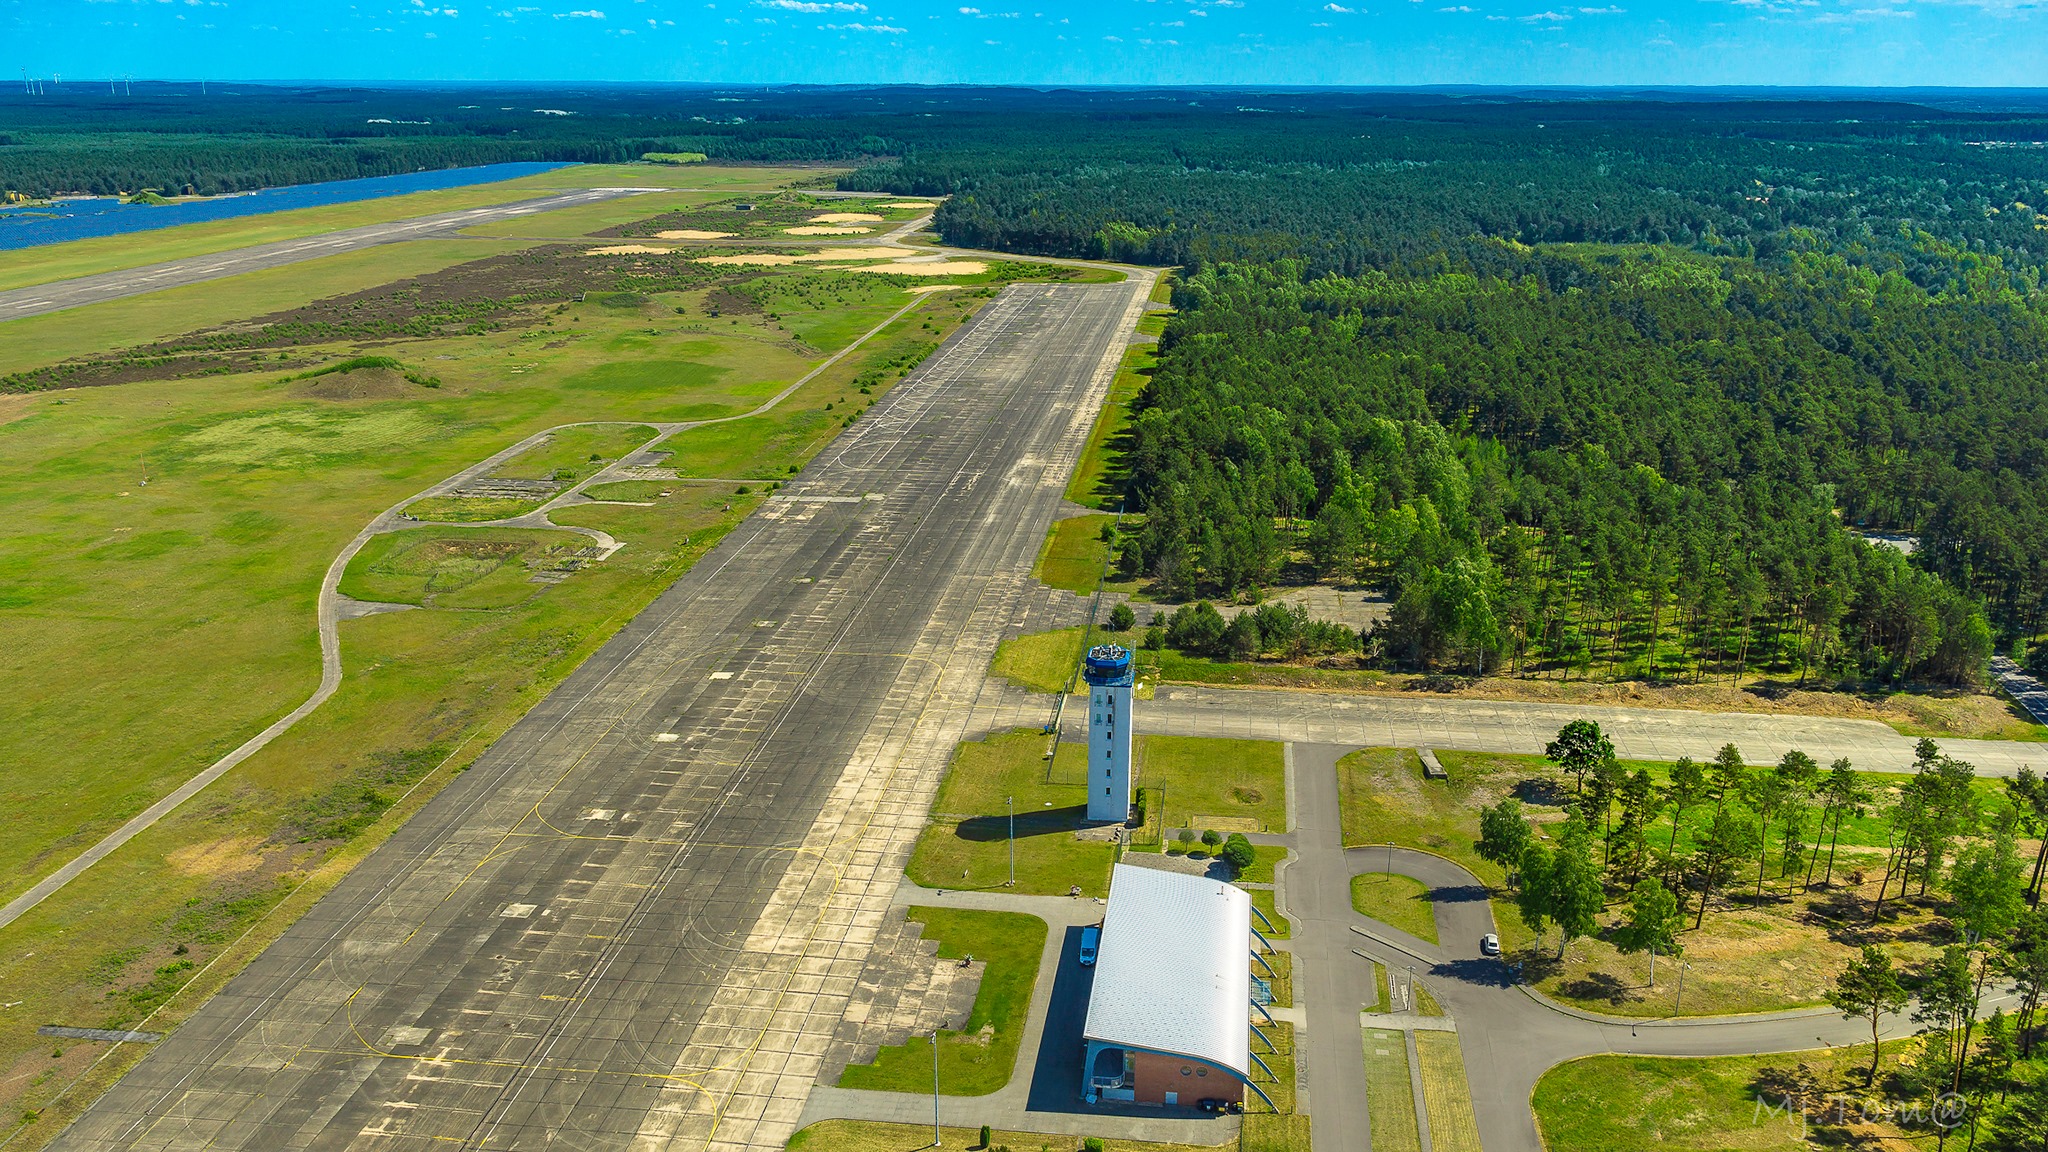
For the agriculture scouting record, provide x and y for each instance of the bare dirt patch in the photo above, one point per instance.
(825, 230)
(690, 234)
(629, 250)
(14, 407)
(226, 857)
(846, 218)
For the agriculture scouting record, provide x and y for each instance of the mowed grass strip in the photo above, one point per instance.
(1074, 554)
(1446, 1094)
(875, 1136)
(1211, 783)
(979, 1057)
(1390, 1092)
(1098, 476)
(1401, 901)
(1281, 1129)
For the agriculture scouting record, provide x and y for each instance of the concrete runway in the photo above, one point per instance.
(38, 299)
(637, 920)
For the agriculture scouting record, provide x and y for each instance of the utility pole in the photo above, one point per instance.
(936, 1142)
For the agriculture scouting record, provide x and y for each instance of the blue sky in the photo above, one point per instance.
(1366, 42)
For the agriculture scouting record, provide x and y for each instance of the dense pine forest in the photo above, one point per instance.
(1590, 386)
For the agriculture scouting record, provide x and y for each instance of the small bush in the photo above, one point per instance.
(1092, 1144)
(984, 1136)
(1211, 837)
(1122, 619)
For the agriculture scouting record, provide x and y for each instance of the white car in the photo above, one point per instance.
(1489, 945)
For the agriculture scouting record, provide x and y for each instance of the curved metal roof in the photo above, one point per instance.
(1173, 970)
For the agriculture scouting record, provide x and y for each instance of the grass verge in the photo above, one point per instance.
(1401, 901)
(1390, 1092)
(1281, 1129)
(1074, 554)
(1446, 1094)
(874, 1136)
(979, 1057)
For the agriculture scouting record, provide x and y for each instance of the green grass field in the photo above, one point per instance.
(967, 846)
(1401, 901)
(1390, 1092)
(1626, 1103)
(575, 453)
(979, 1057)
(152, 627)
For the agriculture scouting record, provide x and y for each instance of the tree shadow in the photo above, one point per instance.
(1484, 973)
(1542, 791)
(1459, 893)
(1599, 986)
(1038, 822)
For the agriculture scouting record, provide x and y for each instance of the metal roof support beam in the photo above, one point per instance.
(1261, 935)
(1262, 1068)
(1270, 1046)
(1266, 966)
(1262, 1012)
(1262, 918)
(1262, 1094)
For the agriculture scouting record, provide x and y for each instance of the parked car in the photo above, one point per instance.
(1489, 945)
(1090, 937)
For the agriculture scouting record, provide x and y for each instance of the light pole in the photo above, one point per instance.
(1010, 806)
(1390, 857)
(936, 1142)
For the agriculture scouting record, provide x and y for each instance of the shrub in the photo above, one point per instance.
(1155, 638)
(1092, 1144)
(1122, 619)
(984, 1136)
(1238, 852)
(1185, 835)
(1211, 837)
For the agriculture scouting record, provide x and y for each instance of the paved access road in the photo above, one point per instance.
(59, 295)
(1425, 721)
(637, 920)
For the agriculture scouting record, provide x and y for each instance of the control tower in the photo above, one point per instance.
(1108, 672)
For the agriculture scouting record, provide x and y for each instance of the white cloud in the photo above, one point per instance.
(1338, 8)
(889, 28)
(811, 6)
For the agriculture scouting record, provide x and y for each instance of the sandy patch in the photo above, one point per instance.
(629, 250)
(921, 289)
(217, 857)
(912, 204)
(846, 218)
(772, 259)
(14, 407)
(759, 259)
(946, 268)
(825, 230)
(690, 234)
